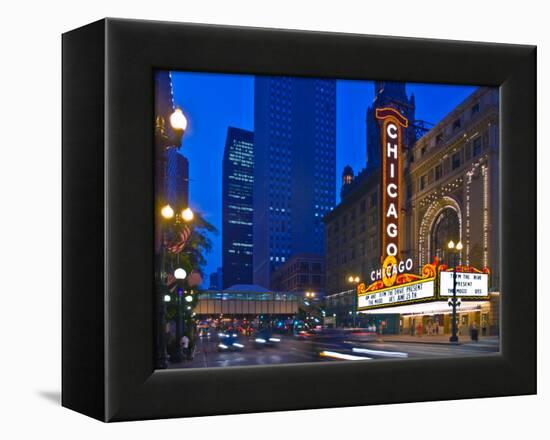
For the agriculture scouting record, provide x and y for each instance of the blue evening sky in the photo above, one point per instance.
(212, 102)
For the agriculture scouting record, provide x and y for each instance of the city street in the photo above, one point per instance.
(292, 350)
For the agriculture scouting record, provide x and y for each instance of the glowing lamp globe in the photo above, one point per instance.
(180, 274)
(178, 120)
(459, 246)
(187, 214)
(167, 211)
(189, 298)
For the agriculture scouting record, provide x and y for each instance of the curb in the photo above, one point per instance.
(400, 341)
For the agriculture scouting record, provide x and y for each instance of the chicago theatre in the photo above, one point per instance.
(423, 211)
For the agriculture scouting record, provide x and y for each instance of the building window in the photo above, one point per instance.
(438, 172)
(423, 150)
(409, 190)
(373, 199)
(456, 124)
(439, 138)
(373, 219)
(456, 161)
(468, 152)
(422, 182)
(475, 109)
(477, 146)
(485, 139)
(363, 206)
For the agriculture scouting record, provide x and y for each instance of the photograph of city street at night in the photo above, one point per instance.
(323, 220)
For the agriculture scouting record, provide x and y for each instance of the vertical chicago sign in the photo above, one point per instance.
(392, 124)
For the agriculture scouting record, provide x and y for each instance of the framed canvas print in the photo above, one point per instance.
(293, 219)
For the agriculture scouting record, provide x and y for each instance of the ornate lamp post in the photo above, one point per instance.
(164, 140)
(455, 250)
(180, 274)
(355, 280)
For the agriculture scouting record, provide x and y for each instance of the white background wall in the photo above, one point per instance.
(30, 234)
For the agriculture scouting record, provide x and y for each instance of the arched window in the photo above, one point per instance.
(446, 227)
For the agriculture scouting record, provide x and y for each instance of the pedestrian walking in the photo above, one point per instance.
(184, 344)
(473, 332)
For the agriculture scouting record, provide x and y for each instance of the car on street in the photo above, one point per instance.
(266, 338)
(205, 332)
(229, 341)
(304, 335)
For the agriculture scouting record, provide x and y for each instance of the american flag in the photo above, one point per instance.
(171, 282)
(181, 239)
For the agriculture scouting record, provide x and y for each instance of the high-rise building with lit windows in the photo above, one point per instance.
(238, 177)
(294, 168)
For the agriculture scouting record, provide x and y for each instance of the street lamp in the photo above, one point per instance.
(455, 250)
(167, 212)
(180, 274)
(187, 214)
(165, 140)
(178, 120)
(354, 279)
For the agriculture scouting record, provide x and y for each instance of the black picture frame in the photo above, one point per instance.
(108, 205)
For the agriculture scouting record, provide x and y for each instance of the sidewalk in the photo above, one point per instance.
(435, 339)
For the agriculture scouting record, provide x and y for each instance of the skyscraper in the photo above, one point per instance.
(216, 280)
(294, 168)
(238, 165)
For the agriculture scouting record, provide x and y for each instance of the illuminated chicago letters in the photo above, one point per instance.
(391, 138)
